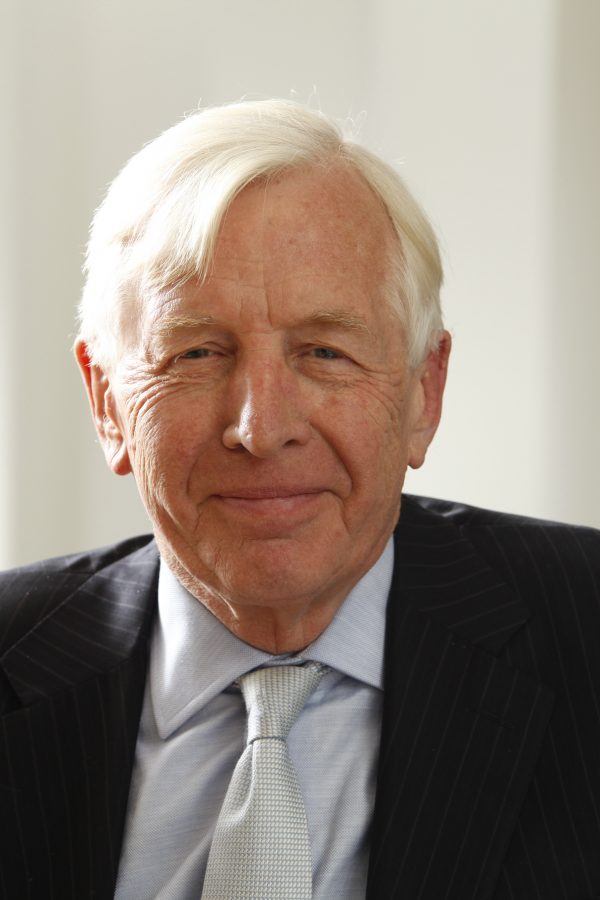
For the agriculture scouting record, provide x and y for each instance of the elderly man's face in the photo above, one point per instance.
(269, 414)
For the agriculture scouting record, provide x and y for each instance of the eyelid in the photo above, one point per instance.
(337, 354)
(209, 344)
(203, 353)
(197, 350)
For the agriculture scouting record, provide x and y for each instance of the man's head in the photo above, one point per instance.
(160, 219)
(267, 381)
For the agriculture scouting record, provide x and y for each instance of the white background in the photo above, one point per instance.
(491, 110)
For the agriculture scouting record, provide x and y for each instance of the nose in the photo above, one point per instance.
(270, 410)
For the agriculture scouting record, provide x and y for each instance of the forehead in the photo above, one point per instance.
(289, 248)
(324, 218)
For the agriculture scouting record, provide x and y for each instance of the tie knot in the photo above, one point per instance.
(275, 695)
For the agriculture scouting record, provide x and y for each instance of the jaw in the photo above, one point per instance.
(277, 594)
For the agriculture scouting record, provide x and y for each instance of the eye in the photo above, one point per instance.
(326, 353)
(196, 353)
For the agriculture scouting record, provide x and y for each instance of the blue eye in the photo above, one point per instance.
(197, 353)
(326, 353)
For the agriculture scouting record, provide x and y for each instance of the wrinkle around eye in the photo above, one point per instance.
(323, 358)
(196, 353)
(200, 364)
(198, 359)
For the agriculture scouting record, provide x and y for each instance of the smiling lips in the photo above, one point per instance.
(271, 501)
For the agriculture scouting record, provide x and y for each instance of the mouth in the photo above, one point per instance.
(269, 493)
(270, 502)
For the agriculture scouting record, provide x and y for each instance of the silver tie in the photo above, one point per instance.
(260, 849)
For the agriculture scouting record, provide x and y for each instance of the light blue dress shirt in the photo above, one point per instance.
(192, 734)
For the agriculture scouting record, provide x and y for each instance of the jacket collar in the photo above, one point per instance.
(104, 616)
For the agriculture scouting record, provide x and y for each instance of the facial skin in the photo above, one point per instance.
(269, 413)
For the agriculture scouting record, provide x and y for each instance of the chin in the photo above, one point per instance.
(268, 573)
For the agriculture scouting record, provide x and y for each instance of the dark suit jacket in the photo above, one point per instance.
(489, 772)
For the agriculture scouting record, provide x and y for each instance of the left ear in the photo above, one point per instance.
(104, 411)
(429, 392)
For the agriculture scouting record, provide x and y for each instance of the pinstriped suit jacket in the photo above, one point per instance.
(489, 772)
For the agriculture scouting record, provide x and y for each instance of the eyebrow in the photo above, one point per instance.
(330, 317)
(170, 324)
(338, 318)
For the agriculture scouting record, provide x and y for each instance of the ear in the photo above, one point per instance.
(429, 393)
(104, 411)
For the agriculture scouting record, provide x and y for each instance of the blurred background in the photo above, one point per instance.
(491, 111)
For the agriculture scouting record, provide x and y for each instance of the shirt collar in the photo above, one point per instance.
(194, 656)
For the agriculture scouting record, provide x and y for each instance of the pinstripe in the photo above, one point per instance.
(568, 807)
(512, 775)
(496, 632)
(451, 795)
(87, 831)
(557, 872)
(384, 758)
(521, 837)
(439, 565)
(128, 611)
(69, 824)
(15, 796)
(123, 710)
(11, 619)
(455, 783)
(481, 786)
(410, 759)
(575, 729)
(560, 787)
(42, 812)
(585, 658)
(585, 563)
(85, 616)
(541, 805)
(485, 613)
(492, 631)
(106, 793)
(464, 597)
(67, 653)
(506, 881)
(57, 671)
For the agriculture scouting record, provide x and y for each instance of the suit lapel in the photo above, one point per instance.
(461, 730)
(77, 732)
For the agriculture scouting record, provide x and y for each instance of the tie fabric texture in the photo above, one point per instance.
(260, 849)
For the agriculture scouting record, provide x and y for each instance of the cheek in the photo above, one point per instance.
(377, 415)
(370, 435)
(169, 435)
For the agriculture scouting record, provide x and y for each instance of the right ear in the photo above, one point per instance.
(104, 410)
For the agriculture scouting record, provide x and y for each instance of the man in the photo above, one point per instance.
(262, 347)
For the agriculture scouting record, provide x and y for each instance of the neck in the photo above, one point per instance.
(274, 630)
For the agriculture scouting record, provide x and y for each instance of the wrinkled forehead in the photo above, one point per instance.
(322, 214)
(311, 227)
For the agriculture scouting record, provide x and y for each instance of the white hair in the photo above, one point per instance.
(159, 222)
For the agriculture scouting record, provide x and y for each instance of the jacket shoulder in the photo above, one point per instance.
(530, 553)
(466, 515)
(31, 592)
